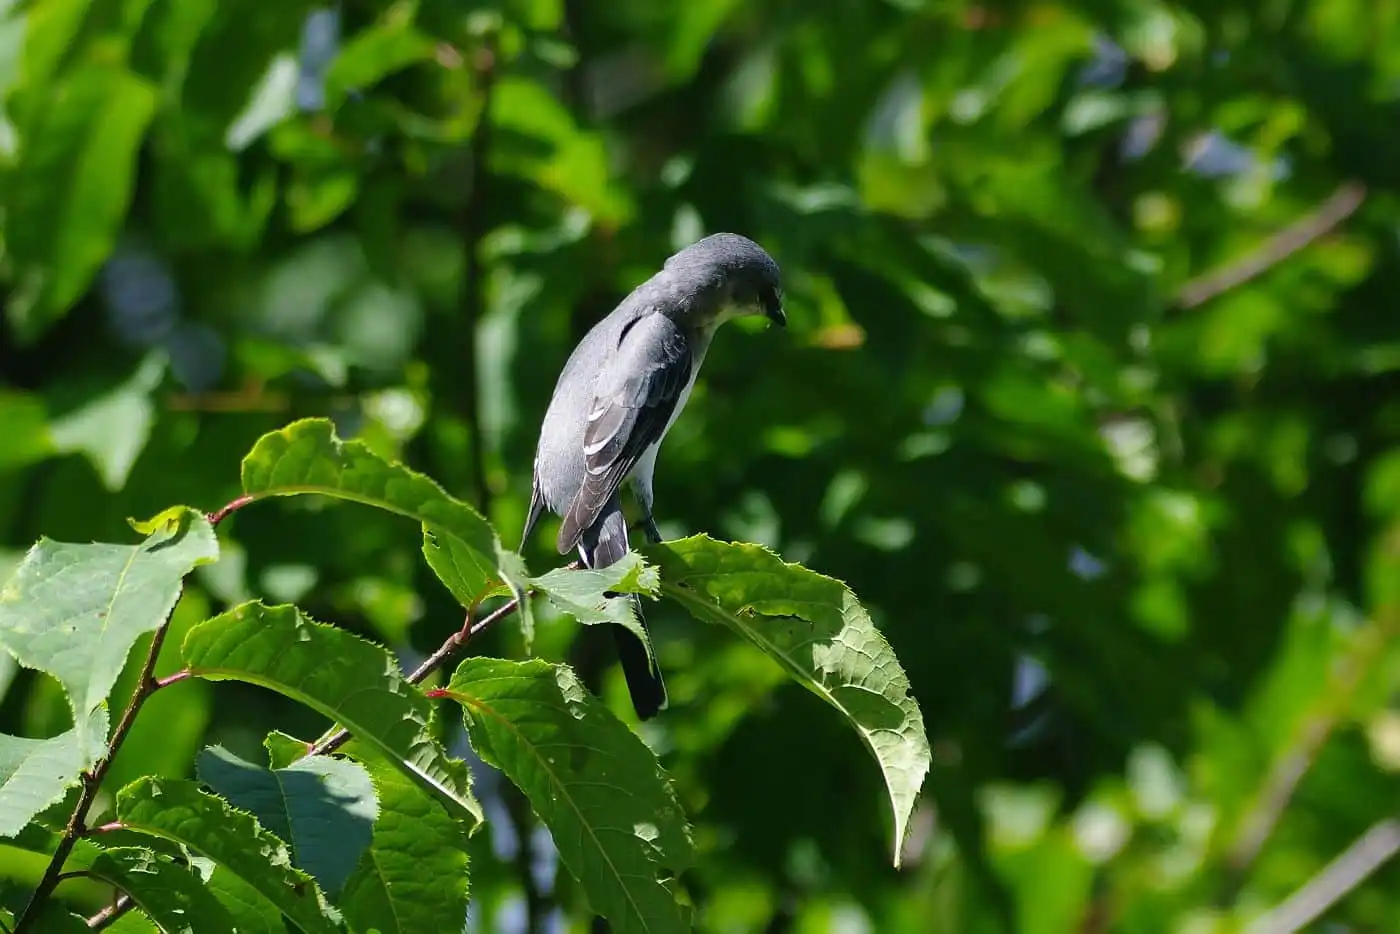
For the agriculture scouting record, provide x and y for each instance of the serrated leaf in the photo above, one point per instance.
(465, 571)
(599, 789)
(35, 773)
(251, 913)
(70, 192)
(179, 811)
(323, 808)
(74, 611)
(414, 875)
(353, 682)
(172, 896)
(816, 629)
(307, 457)
(580, 592)
(283, 749)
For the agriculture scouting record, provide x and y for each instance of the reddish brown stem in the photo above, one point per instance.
(174, 678)
(219, 515)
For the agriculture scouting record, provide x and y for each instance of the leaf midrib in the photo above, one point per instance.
(478, 704)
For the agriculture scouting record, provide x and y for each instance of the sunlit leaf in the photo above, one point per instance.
(816, 629)
(353, 682)
(414, 874)
(69, 195)
(35, 773)
(74, 611)
(601, 792)
(307, 457)
(174, 897)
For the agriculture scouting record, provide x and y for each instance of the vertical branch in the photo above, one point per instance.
(91, 781)
(474, 224)
(522, 819)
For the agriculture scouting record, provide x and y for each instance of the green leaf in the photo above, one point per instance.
(284, 749)
(74, 611)
(24, 426)
(816, 629)
(174, 897)
(323, 808)
(372, 55)
(598, 788)
(179, 811)
(414, 875)
(35, 773)
(69, 194)
(251, 912)
(354, 682)
(112, 429)
(467, 573)
(540, 141)
(580, 591)
(307, 457)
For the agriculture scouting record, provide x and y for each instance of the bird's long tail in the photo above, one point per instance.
(602, 544)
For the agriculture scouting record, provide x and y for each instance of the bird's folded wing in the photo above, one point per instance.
(633, 400)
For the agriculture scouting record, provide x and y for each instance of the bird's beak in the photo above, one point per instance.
(775, 314)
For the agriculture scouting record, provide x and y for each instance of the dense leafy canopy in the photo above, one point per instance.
(1087, 393)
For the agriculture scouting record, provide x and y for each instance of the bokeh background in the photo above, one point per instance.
(1089, 392)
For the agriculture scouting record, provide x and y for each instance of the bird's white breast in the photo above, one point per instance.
(647, 462)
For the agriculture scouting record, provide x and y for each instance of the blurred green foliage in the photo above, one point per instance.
(1089, 391)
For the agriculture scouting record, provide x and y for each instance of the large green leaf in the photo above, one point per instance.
(323, 808)
(69, 195)
(598, 788)
(354, 682)
(179, 811)
(307, 457)
(174, 897)
(251, 912)
(74, 611)
(816, 629)
(35, 773)
(414, 875)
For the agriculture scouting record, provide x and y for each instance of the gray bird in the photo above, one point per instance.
(621, 390)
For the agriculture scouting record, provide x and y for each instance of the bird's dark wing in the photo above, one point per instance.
(632, 402)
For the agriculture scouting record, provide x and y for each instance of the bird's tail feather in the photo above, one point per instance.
(602, 544)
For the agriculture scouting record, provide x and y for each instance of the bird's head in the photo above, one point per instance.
(731, 276)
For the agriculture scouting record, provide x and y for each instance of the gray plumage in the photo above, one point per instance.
(619, 393)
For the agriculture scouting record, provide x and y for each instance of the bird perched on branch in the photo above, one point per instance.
(621, 390)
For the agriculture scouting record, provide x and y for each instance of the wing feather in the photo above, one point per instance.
(632, 405)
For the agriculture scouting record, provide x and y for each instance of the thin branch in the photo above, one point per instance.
(1338, 878)
(220, 515)
(92, 781)
(1288, 770)
(1338, 207)
(432, 663)
(108, 916)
